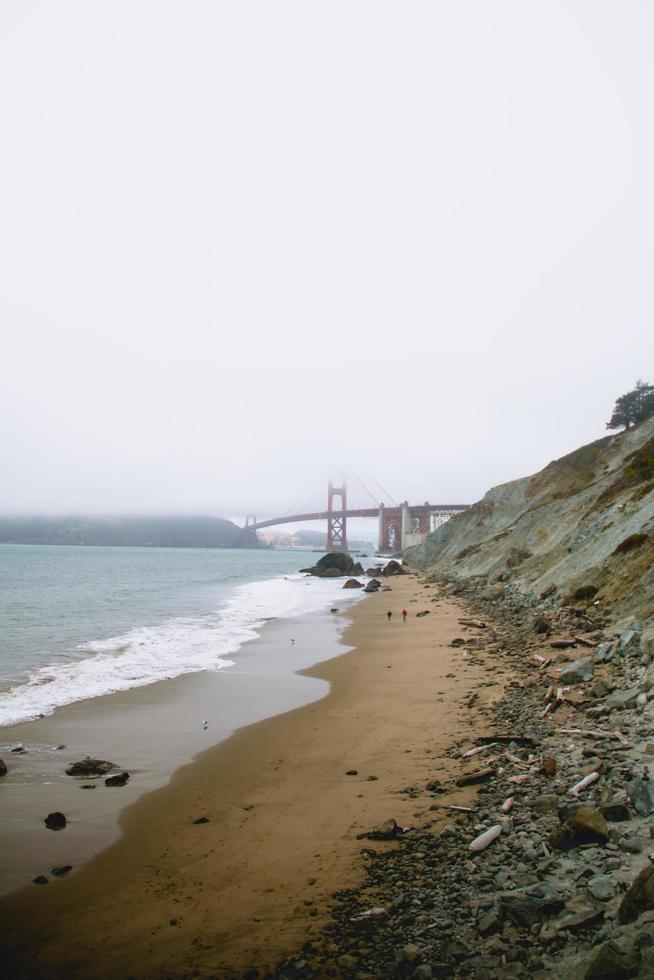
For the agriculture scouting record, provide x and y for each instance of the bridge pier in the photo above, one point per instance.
(250, 531)
(336, 522)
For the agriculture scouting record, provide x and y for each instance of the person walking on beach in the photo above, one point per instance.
(389, 614)
(404, 615)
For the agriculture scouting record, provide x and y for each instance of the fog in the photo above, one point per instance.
(245, 247)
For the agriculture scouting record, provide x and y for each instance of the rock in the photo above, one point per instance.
(87, 786)
(631, 845)
(629, 642)
(332, 565)
(601, 888)
(527, 910)
(61, 870)
(577, 671)
(641, 794)
(388, 830)
(425, 612)
(393, 568)
(612, 961)
(548, 767)
(493, 592)
(55, 821)
(352, 772)
(640, 896)
(615, 811)
(352, 584)
(584, 826)
(584, 592)
(347, 963)
(488, 923)
(619, 700)
(199, 820)
(357, 568)
(40, 880)
(3, 768)
(118, 780)
(542, 625)
(90, 768)
(545, 803)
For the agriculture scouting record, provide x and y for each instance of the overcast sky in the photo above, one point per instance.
(244, 245)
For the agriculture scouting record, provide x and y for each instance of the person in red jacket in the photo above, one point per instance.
(404, 615)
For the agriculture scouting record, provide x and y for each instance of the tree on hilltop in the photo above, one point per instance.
(633, 407)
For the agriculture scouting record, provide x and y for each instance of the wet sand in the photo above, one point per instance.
(251, 885)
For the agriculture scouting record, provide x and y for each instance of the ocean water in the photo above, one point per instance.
(78, 622)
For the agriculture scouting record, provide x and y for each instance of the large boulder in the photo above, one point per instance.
(333, 565)
(352, 583)
(393, 568)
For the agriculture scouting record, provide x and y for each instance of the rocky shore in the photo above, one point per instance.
(566, 885)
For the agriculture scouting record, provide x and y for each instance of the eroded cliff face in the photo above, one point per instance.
(586, 521)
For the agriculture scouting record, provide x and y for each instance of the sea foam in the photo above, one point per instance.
(180, 645)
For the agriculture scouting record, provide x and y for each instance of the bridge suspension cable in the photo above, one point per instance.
(385, 492)
(371, 495)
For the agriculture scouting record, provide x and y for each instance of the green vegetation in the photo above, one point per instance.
(633, 407)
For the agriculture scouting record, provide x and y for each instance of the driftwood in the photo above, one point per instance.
(563, 644)
(481, 843)
(478, 749)
(591, 733)
(518, 739)
(478, 776)
(546, 710)
(460, 809)
(516, 761)
(479, 623)
(585, 641)
(588, 780)
(370, 914)
(522, 778)
(507, 806)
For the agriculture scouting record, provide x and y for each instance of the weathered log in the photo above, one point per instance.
(459, 809)
(479, 623)
(588, 780)
(563, 644)
(522, 778)
(518, 739)
(507, 806)
(478, 749)
(478, 776)
(596, 733)
(516, 761)
(481, 843)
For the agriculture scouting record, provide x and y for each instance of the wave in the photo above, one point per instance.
(177, 646)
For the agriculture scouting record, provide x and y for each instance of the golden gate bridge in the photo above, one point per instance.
(401, 525)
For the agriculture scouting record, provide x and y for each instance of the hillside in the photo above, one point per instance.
(585, 522)
(163, 532)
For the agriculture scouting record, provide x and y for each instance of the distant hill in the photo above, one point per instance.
(161, 532)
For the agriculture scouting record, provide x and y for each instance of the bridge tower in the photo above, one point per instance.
(336, 522)
(251, 540)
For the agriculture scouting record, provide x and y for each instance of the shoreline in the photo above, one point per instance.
(151, 732)
(256, 881)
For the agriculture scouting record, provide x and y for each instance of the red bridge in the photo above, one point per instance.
(400, 526)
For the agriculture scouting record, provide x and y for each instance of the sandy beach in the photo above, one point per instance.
(172, 898)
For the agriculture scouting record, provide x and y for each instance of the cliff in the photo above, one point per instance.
(585, 522)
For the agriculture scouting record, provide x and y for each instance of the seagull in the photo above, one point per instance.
(205, 724)
(292, 640)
